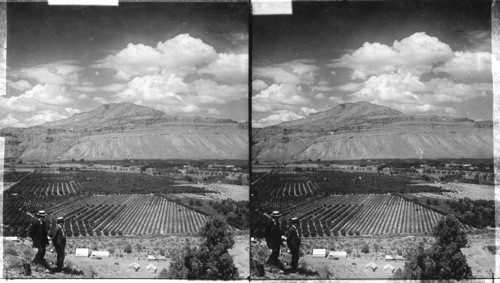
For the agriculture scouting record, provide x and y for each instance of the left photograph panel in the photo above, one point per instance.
(126, 141)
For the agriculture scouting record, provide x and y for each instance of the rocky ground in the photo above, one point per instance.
(479, 258)
(115, 266)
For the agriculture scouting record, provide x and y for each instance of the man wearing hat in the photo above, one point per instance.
(273, 239)
(293, 242)
(59, 242)
(38, 233)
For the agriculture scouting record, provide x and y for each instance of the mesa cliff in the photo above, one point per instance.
(128, 131)
(361, 130)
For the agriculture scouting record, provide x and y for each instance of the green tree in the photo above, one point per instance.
(444, 259)
(211, 260)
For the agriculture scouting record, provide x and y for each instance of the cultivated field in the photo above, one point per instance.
(108, 204)
(346, 204)
(222, 191)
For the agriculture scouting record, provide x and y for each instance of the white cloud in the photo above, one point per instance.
(82, 96)
(213, 111)
(278, 96)
(336, 99)
(319, 96)
(10, 121)
(349, 87)
(72, 111)
(295, 72)
(322, 88)
(259, 85)
(468, 67)
(415, 54)
(20, 85)
(180, 55)
(277, 117)
(40, 97)
(307, 110)
(230, 68)
(85, 88)
(64, 72)
(114, 87)
(43, 117)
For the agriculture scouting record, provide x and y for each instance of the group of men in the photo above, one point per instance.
(274, 239)
(39, 235)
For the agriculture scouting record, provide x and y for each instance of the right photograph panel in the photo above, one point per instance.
(372, 141)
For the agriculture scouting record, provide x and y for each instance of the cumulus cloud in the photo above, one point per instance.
(82, 96)
(259, 85)
(20, 85)
(415, 54)
(319, 96)
(72, 111)
(295, 72)
(349, 87)
(180, 55)
(307, 110)
(39, 97)
(468, 67)
(230, 68)
(278, 96)
(406, 92)
(44, 116)
(10, 121)
(213, 111)
(64, 72)
(336, 99)
(278, 116)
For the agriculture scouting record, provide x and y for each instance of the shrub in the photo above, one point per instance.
(162, 252)
(357, 233)
(128, 248)
(365, 249)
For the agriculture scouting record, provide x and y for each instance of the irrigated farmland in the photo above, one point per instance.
(343, 204)
(104, 204)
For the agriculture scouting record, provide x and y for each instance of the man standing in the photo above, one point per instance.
(293, 242)
(59, 242)
(273, 239)
(38, 233)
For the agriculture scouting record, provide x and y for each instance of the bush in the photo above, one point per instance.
(128, 248)
(211, 259)
(357, 233)
(365, 249)
(162, 252)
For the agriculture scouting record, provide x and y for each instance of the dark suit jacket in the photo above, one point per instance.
(39, 233)
(59, 239)
(293, 239)
(273, 234)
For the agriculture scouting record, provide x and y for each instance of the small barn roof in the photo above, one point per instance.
(151, 267)
(388, 266)
(134, 265)
(372, 265)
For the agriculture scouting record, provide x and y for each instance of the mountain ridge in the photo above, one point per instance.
(126, 130)
(365, 130)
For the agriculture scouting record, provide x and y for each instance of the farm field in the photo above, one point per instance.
(224, 191)
(96, 182)
(350, 204)
(370, 214)
(130, 214)
(107, 204)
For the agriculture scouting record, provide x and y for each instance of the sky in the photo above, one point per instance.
(187, 59)
(429, 57)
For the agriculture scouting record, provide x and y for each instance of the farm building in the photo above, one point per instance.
(389, 267)
(151, 268)
(371, 265)
(134, 266)
(389, 257)
(337, 254)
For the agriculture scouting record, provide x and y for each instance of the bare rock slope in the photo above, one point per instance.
(363, 130)
(126, 130)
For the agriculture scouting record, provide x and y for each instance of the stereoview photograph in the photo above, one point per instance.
(372, 141)
(126, 141)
